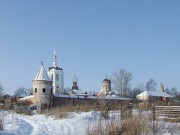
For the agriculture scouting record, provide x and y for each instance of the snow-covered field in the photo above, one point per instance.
(74, 124)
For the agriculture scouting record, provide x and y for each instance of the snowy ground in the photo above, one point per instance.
(75, 124)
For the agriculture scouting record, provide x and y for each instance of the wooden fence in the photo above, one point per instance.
(166, 112)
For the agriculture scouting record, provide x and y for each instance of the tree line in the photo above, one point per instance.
(121, 84)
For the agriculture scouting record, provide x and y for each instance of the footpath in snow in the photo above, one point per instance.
(75, 124)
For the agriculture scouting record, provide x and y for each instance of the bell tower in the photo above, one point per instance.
(106, 86)
(56, 74)
(75, 81)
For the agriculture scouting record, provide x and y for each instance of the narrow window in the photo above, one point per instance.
(51, 76)
(35, 90)
(57, 77)
(44, 90)
(51, 91)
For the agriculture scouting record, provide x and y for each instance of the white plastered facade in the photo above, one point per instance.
(56, 74)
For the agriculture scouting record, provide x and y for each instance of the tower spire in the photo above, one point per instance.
(162, 87)
(74, 77)
(75, 81)
(55, 58)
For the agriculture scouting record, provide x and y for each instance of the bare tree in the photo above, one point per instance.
(20, 92)
(167, 90)
(178, 96)
(29, 91)
(1, 91)
(121, 81)
(140, 88)
(173, 91)
(151, 85)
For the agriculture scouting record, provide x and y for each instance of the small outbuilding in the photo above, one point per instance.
(154, 96)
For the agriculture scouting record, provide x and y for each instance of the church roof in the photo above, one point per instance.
(42, 74)
(106, 80)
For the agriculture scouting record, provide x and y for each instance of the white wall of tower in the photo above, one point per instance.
(57, 77)
(42, 91)
(106, 87)
(56, 74)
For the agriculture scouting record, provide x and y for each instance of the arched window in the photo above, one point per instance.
(35, 90)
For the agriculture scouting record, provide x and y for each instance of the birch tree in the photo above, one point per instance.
(121, 81)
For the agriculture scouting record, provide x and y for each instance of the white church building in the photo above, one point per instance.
(56, 74)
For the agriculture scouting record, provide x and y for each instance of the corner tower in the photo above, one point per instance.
(42, 88)
(56, 74)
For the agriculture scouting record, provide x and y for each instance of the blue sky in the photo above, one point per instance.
(91, 37)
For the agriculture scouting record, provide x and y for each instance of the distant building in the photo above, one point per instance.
(75, 81)
(106, 88)
(75, 89)
(56, 74)
(155, 95)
